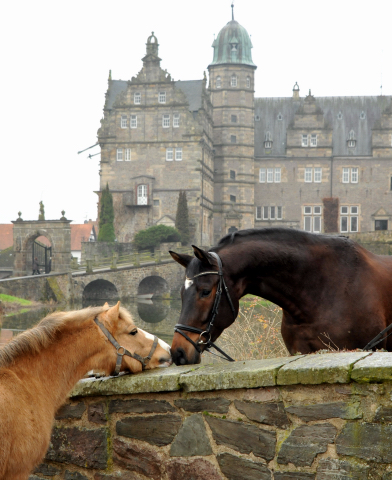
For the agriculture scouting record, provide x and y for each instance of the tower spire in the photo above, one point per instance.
(232, 10)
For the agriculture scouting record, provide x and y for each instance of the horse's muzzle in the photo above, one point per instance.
(181, 357)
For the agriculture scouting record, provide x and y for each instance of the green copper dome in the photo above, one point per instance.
(232, 45)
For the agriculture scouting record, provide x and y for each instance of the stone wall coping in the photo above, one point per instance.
(343, 367)
(120, 268)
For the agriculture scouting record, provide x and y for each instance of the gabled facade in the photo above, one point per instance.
(318, 164)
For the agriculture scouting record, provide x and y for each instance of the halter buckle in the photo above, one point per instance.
(118, 350)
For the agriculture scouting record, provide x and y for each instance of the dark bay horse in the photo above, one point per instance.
(40, 366)
(330, 289)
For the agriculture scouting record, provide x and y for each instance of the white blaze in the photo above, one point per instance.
(163, 344)
(188, 283)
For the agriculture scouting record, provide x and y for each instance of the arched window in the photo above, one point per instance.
(142, 195)
(247, 82)
(233, 80)
(218, 82)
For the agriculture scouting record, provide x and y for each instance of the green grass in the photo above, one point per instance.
(252, 298)
(10, 299)
(23, 310)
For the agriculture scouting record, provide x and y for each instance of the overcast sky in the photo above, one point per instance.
(56, 58)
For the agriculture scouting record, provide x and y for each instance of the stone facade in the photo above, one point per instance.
(315, 417)
(319, 164)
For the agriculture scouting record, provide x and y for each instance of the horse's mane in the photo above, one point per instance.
(277, 234)
(35, 339)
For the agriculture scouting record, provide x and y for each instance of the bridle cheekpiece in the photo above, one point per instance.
(180, 328)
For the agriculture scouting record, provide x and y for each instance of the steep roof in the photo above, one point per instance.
(342, 114)
(6, 235)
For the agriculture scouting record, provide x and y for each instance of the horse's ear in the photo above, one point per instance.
(182, 259)
(106, 305)
(202, 255)
(113, 312)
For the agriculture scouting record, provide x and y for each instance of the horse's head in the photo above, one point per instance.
(146, 350)
(205, 313)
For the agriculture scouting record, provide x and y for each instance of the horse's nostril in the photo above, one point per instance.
(179, 356)
(182, 361)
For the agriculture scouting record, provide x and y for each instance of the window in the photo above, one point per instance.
(312, 218)
(381, 224)
(120, 155)
(247, 82)
(351, 139)
(313, 140)
(233, 198)
(267, 144)
(347, 178)
(169, 154)
(165, 121)
(351, 143)
(137, 97)
(272, 213)
(232, 175)
(127, 154)
(267, 140)
(233, 82)
(269, 213)
(304, 140)
(233, 139)
(133, 121)
(156, 202)
(308, 174)
(218, 82)
(277, 175)
(258, 213)
(176, 120)
(124, 122)
(142, 195)
(279, 213)
(265, 213)
(162, 97)
(317, 174)
(348, 218)
(234, 119)
(179, 154)
(262, 176)
(270, 175)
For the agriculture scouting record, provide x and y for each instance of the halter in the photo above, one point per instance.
(121, 351)
(214, 312)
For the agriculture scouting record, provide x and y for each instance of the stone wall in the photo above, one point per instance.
(104, 249)
(316, 417)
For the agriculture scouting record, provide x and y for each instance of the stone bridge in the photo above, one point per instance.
(161, 279)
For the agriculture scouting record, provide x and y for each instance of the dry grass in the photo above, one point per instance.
(256, 332)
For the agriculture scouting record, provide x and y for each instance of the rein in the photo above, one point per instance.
(179, 327)
(121, 351)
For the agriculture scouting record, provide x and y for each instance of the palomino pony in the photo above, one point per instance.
(330, 290)
(40, 366)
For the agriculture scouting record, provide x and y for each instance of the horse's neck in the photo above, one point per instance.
(57, 368)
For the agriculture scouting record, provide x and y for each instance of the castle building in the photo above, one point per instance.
(321, 164)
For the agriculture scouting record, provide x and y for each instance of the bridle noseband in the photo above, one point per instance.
(214, 312)
(121, 351)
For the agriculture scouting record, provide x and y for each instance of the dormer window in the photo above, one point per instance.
(268, 140)
(234, 47)
(363, 115)
(340, 115)
(233, 82)
(218, 82)
(162, 97)
(351, 141)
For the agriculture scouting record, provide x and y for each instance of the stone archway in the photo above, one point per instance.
(58, 232)
(154, 285)
(100, 290)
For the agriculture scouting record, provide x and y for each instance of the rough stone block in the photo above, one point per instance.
(320, 368)
(305, 442)
(374, 368)
(249, 374)
(370, 441)
(237, 468)
(322, 411)
(46, 469)
(294, 476)
(243, 438)
(96, 413)
(78, 446)
(216, 405)
(156, 429)
(74, 476)
(71, 411)
(331, 468)
(140, 406)
(143, 460)
(34, 477)
(383, 414)
(191, 439)
(180, 469)
(268, 413)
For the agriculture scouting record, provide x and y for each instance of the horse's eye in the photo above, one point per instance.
(133, 332)
(205, 293)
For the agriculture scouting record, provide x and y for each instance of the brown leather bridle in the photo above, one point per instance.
(121, 351)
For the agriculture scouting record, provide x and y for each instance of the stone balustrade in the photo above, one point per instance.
(325, 416)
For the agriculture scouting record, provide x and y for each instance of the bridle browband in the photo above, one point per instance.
(179, 327)
(121, 351)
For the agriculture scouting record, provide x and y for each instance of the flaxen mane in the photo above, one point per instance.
(32, 341)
